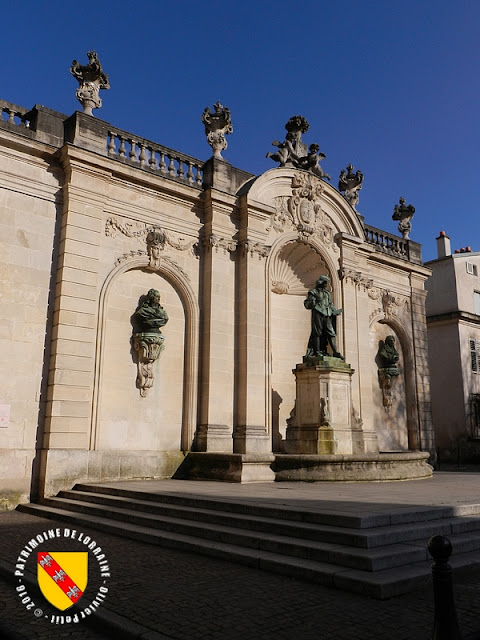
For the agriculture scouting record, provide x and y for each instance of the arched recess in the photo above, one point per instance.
(403, 413)
(292, 268)
(178, 283)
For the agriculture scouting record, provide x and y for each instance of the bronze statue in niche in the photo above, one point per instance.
(388, 372)
(148, 340)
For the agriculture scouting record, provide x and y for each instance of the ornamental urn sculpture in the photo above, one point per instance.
(91, 79)
(349, 184)
(403, 213)
(217, 125)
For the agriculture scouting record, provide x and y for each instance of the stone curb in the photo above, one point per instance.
(103, 619)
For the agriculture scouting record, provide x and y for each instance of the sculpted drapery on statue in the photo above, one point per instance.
(324, 313)
(293, 151)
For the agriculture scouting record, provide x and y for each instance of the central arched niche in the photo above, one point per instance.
(294, 270)
(127, 420)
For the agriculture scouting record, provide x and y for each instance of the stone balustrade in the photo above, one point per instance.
(393, 245)
(14, 115)
(149, 155)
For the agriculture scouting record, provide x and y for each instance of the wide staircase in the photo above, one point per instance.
(380, 555)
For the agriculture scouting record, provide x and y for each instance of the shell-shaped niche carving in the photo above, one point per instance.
(295, 269)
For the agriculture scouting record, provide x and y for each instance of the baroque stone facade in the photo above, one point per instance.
(93, 218)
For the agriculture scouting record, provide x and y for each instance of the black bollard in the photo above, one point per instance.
(445, 625)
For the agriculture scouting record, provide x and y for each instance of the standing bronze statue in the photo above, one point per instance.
(324, 313)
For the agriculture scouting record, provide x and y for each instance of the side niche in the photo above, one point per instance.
(127, 420)
(389, 396)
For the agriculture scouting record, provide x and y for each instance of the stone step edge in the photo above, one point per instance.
(369, 558)
(362, 539)
(386, 584)
(291, 513)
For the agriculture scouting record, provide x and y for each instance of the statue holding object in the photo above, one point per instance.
(324, 313)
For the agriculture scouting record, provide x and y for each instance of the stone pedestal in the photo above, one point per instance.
(322, 424)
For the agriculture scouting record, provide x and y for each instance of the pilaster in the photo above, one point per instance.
(71, 372)
(214, 433)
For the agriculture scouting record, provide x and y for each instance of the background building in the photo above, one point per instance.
(453, 317)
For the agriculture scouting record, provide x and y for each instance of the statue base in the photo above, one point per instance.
(322, 424)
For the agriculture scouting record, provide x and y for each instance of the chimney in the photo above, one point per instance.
(443, 245)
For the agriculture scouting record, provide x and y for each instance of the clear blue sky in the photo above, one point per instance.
(390, 86)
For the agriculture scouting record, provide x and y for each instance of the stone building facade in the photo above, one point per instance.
(92, 218)
(453, 321)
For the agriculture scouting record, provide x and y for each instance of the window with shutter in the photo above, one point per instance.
(474, 354)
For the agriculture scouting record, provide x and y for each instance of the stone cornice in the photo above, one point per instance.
(453, 316)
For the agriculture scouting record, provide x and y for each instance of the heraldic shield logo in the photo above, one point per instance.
(62, 576)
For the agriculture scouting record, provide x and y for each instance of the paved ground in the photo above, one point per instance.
(166, 594)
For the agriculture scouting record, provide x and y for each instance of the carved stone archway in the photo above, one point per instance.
(168, 270)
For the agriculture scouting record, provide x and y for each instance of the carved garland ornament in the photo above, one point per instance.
(139, 230)
(303, 211)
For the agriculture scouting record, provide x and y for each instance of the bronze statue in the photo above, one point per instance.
(389, 371)
(147, 319)
(324, 313)
(150, 315)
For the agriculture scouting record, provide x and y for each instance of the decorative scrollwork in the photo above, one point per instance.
(390, 301)
(356, 277)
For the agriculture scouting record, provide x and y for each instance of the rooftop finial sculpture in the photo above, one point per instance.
(217, 125)
(293, 151)
(350, 183)
(91, 78)
(403, 213)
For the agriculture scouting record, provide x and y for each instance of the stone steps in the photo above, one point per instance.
(368, 555)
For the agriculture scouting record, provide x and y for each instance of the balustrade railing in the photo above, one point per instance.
(149, 155)
(14, 115)
(393, 245)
